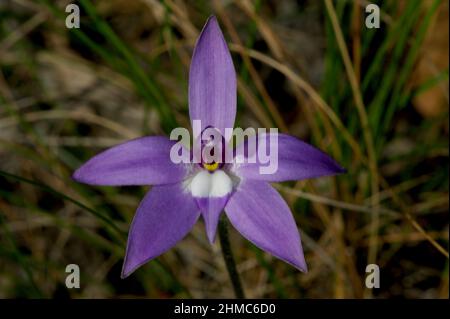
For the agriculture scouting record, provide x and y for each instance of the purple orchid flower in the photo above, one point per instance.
(182, 192)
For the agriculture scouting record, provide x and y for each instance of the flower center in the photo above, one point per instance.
(205, 184)
(211, 167)
(212, 149)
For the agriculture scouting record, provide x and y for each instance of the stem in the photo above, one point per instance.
(229, 259)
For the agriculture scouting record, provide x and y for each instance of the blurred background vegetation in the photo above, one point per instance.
(375, 99)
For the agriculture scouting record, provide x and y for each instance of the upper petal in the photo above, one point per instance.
(142, 161)
(212, 80)
(165, 215)
(291, 159)
(261, 215)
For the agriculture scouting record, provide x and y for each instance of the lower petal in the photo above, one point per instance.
(261, 215)
(211, 192)
(166, 214)
(211, 209)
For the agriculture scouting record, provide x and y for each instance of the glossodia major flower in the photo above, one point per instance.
(183, 191)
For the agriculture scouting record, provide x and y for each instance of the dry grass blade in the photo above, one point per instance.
(356, 90)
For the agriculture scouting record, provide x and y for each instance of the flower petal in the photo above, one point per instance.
(211, 192)
(296, 160)
(166, 214)
(142, 161)
(212, 80)
(261, 215)
(211, 209)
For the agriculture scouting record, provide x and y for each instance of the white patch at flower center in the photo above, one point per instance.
(206, 184)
